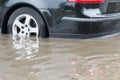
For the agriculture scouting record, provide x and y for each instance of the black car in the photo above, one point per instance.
(62, 18)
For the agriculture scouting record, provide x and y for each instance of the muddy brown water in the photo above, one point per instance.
(60, 59)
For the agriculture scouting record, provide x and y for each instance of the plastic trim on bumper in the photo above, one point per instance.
(92, 19)
(85, 36)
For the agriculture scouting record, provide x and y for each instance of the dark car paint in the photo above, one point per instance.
(54, 13)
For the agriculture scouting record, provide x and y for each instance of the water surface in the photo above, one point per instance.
(60, 59)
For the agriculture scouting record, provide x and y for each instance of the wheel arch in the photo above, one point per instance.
(17, 6)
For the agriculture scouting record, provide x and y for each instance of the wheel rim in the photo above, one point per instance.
(24, 25)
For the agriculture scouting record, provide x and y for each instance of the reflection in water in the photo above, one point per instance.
(59, 59)
(26, 47)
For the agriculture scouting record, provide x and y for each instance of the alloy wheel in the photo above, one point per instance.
(24, 25)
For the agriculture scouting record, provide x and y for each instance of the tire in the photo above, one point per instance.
(24, 21)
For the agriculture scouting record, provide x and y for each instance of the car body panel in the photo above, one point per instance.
(65, 18)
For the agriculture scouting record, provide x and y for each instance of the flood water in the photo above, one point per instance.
(60, 59)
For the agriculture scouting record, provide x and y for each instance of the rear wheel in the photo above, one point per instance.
(26, 22)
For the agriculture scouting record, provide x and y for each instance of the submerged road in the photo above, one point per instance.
(60, 59)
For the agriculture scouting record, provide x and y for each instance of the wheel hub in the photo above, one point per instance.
(25, 25)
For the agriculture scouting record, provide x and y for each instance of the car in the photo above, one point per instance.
(60, 18)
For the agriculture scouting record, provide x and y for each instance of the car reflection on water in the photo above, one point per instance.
(26, 47)
(59, 59)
